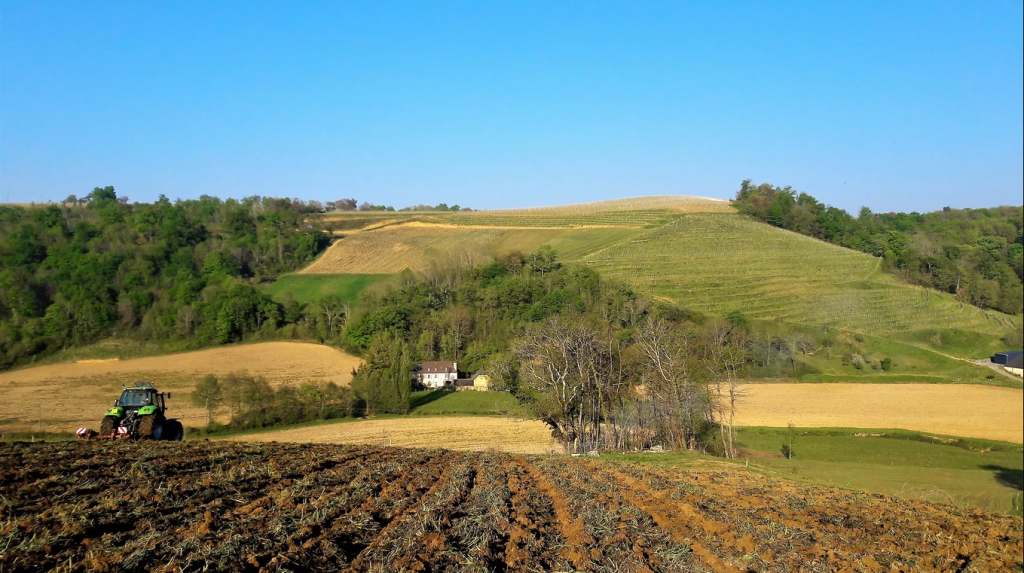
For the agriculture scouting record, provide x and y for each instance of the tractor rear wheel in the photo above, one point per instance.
(108, 425)
(173, 431)
(150, 428)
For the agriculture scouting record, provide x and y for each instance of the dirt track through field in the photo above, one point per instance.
(466, 433)
(970, 411)
(62, 397)
(223, 506)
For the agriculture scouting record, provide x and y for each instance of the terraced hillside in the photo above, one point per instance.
(719, 263)
(199, 506)
(692, 250)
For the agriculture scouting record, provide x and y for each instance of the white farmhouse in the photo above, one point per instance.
(437, 374)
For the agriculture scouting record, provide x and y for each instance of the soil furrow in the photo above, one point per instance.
(692, 527)
(572, 529)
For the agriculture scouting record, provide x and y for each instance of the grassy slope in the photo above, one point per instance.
(970, 472)
(722, 262)
(464, 403)
(914, 362)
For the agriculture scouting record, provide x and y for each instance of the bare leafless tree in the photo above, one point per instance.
(567, 361)
(680, 396)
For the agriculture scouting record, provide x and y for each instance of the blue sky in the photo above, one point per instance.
(894, 105)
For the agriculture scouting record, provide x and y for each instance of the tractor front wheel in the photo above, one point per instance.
(108, 425)
(150, 428)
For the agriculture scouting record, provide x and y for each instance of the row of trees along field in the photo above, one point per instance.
(601, 364)
(975, 254)
(182, 272)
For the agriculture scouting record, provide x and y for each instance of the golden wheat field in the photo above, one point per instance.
(453, 433)
(417, 245)
(377, 242)
(62, 397)
(970, 411)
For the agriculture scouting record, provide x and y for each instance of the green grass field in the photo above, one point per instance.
(913, 361)
(977, 473)
(974, 473)
(465, 403)
(308, 289)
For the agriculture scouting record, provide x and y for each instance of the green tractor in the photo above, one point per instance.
(139, 414)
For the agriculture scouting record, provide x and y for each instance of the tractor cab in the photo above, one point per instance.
(132, 398)
(142, 396)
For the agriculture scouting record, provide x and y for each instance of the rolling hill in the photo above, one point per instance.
(694, 251)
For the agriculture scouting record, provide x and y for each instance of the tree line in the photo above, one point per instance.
(182, 272)
(976, 255)
(251, 402)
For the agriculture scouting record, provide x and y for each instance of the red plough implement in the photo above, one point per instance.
(88, 434)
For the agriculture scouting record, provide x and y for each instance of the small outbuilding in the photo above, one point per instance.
(478, 381)
(1004, 358)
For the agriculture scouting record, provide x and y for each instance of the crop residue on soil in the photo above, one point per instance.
(246, 507)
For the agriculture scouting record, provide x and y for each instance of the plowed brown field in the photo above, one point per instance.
(276, 507)
(62, 397)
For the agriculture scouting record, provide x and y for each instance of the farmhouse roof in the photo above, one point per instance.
(436, 366)
(1016, 362)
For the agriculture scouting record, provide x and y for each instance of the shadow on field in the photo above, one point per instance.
(418, 401)
(1007, 476)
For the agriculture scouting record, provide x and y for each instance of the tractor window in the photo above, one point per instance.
(130, 398)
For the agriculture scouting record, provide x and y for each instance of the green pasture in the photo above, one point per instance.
(977, 473)
(960, 343)
(910, 362)
(308, 289)
(464, 403)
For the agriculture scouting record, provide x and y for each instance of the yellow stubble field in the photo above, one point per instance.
(62, 397)
(454, 432)
(970, 411)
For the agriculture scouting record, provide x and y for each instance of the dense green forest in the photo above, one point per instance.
(89, 268)
(974, 254)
